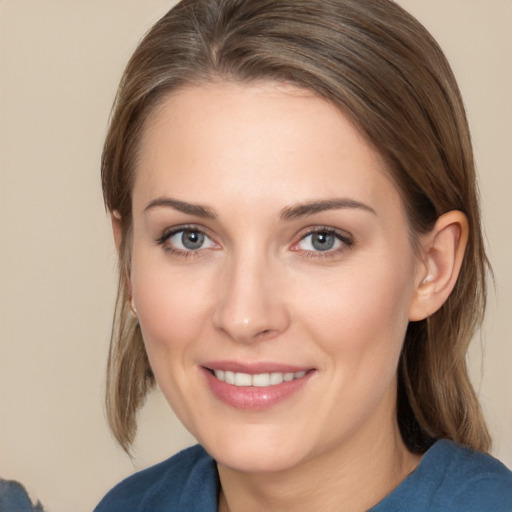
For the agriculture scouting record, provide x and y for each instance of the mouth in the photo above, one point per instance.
(255, 386)
(259, 380)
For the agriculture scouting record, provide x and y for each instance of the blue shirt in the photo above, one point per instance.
(449, 478)
(14, 498)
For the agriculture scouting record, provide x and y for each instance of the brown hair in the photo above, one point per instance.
(382, 68)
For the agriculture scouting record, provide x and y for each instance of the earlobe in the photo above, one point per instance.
(442, 253)
(117, 229)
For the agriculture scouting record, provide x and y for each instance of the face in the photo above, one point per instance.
(272, 272)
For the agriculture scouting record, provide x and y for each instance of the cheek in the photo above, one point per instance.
(170, 304)
(361, 315)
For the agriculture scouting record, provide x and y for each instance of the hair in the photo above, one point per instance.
(381, 68)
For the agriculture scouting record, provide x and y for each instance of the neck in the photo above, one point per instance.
(352, 478)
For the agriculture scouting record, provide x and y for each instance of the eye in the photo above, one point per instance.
(323, 241)
(186, 240)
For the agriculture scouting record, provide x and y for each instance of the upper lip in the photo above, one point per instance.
(254, 367)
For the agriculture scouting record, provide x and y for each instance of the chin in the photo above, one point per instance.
(257, 460)
(251, 452)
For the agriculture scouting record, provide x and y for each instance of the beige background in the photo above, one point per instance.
(60, 62)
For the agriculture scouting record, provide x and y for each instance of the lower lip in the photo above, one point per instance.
(252, 397)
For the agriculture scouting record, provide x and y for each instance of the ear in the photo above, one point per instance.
(442, 253)
(117, 229)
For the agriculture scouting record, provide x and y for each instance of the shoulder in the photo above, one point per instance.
(189, 474)
(13, 496)
(472, 481)
(452, 478)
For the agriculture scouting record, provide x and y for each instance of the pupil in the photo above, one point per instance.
(323, 241)
(192, 239)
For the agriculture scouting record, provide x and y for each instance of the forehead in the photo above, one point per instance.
(258, 142)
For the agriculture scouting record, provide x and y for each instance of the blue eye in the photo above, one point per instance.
(323, 241)
(320, 241)
(187, 240)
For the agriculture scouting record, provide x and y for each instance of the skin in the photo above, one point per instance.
(257, 290)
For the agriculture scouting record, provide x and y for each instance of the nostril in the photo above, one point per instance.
(267, 333)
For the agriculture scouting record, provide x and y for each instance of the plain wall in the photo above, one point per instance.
(60, 62)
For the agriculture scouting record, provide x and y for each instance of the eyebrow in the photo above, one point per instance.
(290, 213)
(182, 206)
(310, 208)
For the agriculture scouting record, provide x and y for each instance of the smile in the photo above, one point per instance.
(259, 380)
(257, 386)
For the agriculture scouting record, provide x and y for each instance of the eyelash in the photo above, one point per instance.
(169, 233)
(346, 241)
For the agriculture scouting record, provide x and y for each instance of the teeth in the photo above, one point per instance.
(243, 379)
(258, 380)
(276, 378)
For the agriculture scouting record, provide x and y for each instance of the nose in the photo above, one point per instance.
(251, 304)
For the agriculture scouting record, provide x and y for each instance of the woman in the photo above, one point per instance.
(293, 199)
